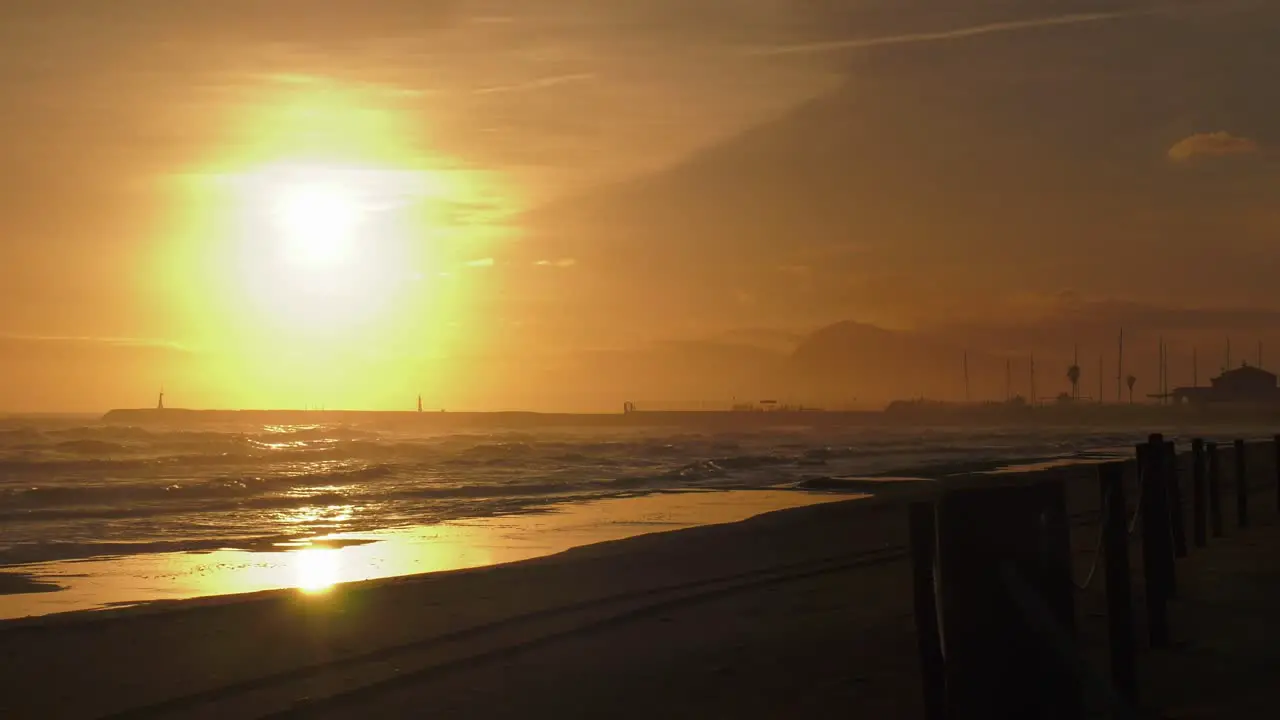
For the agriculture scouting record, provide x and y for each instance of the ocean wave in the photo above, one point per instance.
(125, 489)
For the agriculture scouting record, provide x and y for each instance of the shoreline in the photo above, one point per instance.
(101, 585)
(106, 583)
(258, 654)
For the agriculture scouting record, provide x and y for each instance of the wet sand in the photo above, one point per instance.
(248, 657)
(315, 564)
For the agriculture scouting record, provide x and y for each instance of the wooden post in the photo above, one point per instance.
(1057, 530)
(1199, 513)
(1177, 511)
(924, 553)
(1157, 550)
(1242, 486)
(1215, 489)
(1115, 547)
(1276, 442)
(1002, 661)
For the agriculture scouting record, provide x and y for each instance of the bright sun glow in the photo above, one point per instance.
(321, 251)
(318, 221)
(325, 246)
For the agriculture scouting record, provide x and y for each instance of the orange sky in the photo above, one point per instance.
(562, 204)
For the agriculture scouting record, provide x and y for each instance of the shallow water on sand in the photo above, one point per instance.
(315, 566)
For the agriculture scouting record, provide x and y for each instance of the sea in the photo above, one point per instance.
(71, 489)
(96, 516)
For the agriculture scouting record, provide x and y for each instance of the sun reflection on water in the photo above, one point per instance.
(313, 514)
(315, 565)
(316, 570)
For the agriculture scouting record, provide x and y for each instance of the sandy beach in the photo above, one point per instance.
(804, 612)
(799, 611)
(249, 657)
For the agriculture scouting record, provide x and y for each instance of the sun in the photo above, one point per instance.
(322, 247)
(318, 221)
(316, 253)
(313, 218)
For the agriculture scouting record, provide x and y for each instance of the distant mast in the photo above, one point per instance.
(1160, 376)
(1035, 399)
(419, 403)
(160, 401)
(1100, 379)
(1120, 369)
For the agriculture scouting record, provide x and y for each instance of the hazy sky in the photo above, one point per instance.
(566, 203)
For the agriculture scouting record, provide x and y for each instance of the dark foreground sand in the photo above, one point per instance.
(759, 615)
(800, 613)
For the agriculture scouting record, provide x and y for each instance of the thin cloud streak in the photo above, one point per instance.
(538, 84)
(91, 340)
(909, 38)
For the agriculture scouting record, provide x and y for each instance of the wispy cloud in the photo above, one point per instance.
(94, 340)
(921, 37)
(536, 84)
(561, 263)
(1211, 144)
(482, 262)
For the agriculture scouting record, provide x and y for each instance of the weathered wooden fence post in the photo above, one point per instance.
(1215, 489)
(1242, 486)
(1115, 546)
(924, 554)
(1003, 591)
(1177, 511)
(1276, 443)
(1199, 514)
(1157, 545)
(1057, 561)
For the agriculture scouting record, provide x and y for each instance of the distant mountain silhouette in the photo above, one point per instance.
(875, 365)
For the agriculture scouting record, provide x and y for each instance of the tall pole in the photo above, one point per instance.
(1165, 390)
(1034, 398)
(1160, 379)
(1075, 386)
(1120, 368)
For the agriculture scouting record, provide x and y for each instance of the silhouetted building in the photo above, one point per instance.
(1243, 385)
